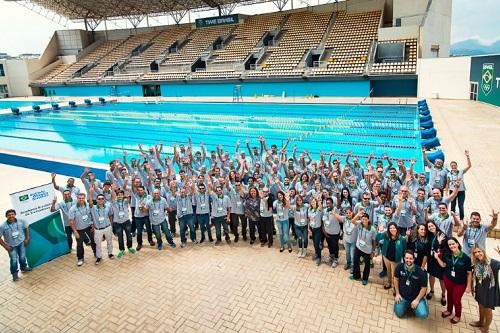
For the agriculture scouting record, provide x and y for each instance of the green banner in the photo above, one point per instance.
(485, 70)
(48, 240)
(218, 20)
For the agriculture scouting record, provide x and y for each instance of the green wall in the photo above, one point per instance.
(485, 70)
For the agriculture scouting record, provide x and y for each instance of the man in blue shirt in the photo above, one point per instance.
(14, 236)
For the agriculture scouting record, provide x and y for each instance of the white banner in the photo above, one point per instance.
(33, 204)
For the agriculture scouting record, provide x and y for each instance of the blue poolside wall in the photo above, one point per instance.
(354, 88)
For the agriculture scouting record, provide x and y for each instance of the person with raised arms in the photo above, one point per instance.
(80, 220)
(475, 232)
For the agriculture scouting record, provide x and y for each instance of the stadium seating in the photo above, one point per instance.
(349, 43)
(160, 44)
(246, 37)
(409, 65)
(344, 42)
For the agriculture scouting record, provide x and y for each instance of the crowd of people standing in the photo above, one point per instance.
(259, 194)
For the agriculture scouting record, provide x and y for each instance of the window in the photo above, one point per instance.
(4, 92)
(435, 51)
(2, 72)
(473, 91)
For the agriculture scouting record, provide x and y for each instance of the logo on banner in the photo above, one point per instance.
(23, 198)
(487, 79)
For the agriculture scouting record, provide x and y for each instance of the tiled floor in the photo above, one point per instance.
(238, 287)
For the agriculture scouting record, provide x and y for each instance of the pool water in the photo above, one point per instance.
(101, 133)
(17, 104)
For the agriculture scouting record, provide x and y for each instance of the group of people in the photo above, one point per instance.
(383, 208)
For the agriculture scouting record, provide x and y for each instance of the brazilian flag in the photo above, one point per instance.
(48, 240)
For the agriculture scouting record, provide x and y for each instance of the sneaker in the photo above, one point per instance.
(211, 240)
(244, 238)
(377, 252)
(304, 253)
(131, 250)
(282, 249)
(351, 277)
(152, 243)
(269, 245)
(138, 248)
(183, 245)
(382, 274)
(119, 254)
(217, 242)
(98, 261)
(228, 241)
(133, 234)
(15, 277)
(111, 256)
(196, 242)
(289, 249)
(172, 246)
(318, 261)
(251, 242)
(26, 269)
(202, 239)
(160, 247)
(236, 239)
(364, 282)
(299, 253)
(79, 262)
(334, 263)
(346, 267)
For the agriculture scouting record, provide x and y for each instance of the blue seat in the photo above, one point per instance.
(36, 108)
(15, 111)
(424, 119)
(88, 102)
(434, 155)
(428, 133)
(427, 124)
(431, 143)
(424, 113)
(72, 104)
(102, 100)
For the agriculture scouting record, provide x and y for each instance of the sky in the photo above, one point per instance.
(470, 19)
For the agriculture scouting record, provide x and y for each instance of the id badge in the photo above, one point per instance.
(325, 218)
(219, 209)
(262, 210)
(403, 212)
(280, 215)
(85, 218)
(348, 233)
(471, 243)
(452, 273)
(302, 221)
(15, 234)
(156, 212)
(121, 214)
(437, 179)
(238, 203)
(408, 282)
(202, 206)
(362, 243)
(432, 253)
(416, 255)
(101, 218)
(184, 209)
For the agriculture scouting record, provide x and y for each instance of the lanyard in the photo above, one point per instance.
(457, 259)
(10, 226)
(99, 209)
(365, 233)
(121, 207)
(409, 273)
(82, 213)
(476, 230)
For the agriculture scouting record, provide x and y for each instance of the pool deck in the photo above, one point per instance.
(239, 288)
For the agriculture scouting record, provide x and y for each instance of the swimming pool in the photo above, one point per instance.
(101, 133)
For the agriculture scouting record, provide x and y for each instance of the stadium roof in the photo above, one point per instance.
(115, 9)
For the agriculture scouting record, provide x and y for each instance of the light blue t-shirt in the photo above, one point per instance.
(13, 233)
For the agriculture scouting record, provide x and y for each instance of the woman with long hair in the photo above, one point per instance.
(281, 206)
(252, 210)
(393, 249)
(345, 201)
(457, 277)
(485, 287)
(314, 219)
(437, 240)
(300, 220)
(420, 245)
